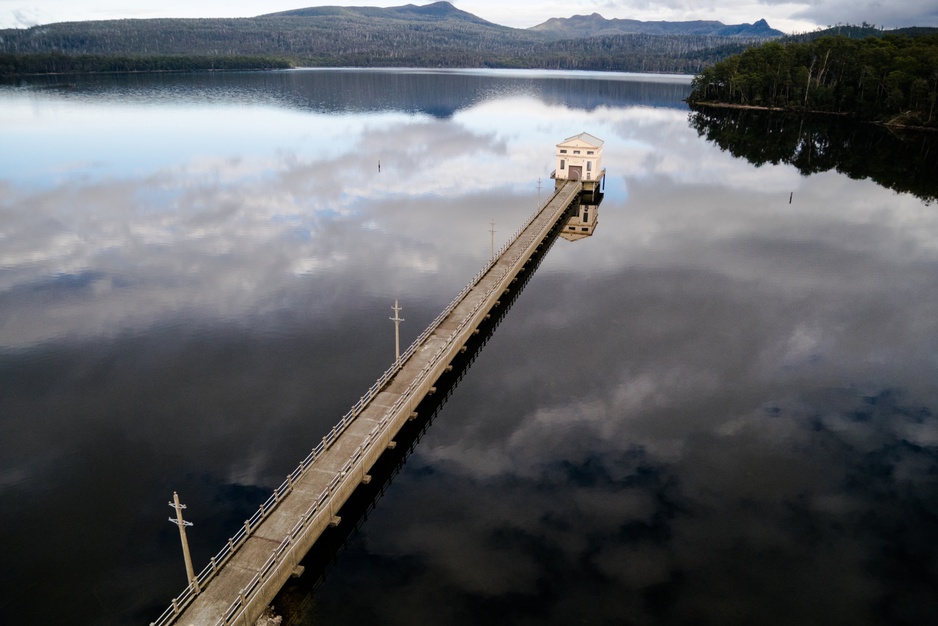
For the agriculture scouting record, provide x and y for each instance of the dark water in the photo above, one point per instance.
(718, 409)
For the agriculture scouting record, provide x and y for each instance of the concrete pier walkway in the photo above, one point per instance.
(243, 578)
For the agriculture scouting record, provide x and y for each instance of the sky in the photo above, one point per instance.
(788, 16)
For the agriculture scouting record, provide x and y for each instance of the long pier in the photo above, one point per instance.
(243, 578)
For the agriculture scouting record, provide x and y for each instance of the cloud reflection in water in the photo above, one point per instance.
(717, 409)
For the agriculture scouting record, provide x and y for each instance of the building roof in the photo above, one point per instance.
(585, 137)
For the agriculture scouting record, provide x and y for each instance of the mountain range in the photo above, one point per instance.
(432, 35)
(596, 25)
(563, 28)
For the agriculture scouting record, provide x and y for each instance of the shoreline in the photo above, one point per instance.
(752, 107)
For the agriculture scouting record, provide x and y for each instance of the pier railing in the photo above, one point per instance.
(278, 558)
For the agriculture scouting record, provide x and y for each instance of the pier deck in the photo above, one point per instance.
(242, 580)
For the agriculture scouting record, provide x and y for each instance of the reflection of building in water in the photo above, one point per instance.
(580, 158)
(583, 218)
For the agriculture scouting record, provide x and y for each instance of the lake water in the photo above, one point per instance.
(720, 408)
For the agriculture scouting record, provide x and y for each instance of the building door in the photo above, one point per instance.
(575, 172)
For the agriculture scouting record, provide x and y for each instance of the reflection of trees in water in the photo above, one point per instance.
(904, 162)
(440, 94)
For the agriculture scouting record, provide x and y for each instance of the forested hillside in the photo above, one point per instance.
(891, 78)
(858, 31)
(435, 35)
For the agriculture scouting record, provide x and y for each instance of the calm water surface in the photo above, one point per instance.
(718, 409)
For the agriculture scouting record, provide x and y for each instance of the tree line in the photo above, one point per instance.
(624, 53)
(58, 63)
(892, 78)
(351, 38)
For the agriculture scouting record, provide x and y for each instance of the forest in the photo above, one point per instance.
(680, 54)
(436, 35)
(847, 68)
(892, 78)
(58, 63)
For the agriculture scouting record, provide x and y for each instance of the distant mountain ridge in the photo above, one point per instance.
(596, 25)
(432, 12)
(432, 35)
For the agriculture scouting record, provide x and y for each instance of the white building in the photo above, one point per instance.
(579, 158)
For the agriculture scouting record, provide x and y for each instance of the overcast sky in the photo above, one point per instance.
(788, 16)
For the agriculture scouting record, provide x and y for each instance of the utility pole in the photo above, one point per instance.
(538, 193)
(397, 330)
(493, 239)
(193, 581)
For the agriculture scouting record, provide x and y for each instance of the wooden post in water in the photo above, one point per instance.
(193, 581)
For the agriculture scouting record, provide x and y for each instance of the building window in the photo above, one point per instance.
(562, 162)
(586, 216)
(589, 152)
(585, 230)
(589, 166)
(576, 152)
(563, 152)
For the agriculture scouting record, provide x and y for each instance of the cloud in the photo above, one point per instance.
(884, 14)
(26, 18)
(677, 416)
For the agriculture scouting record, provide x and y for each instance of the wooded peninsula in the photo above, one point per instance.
(891, 79)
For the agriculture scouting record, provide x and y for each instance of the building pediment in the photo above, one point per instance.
(583, 140)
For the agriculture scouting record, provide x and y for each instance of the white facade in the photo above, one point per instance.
(579, 158)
